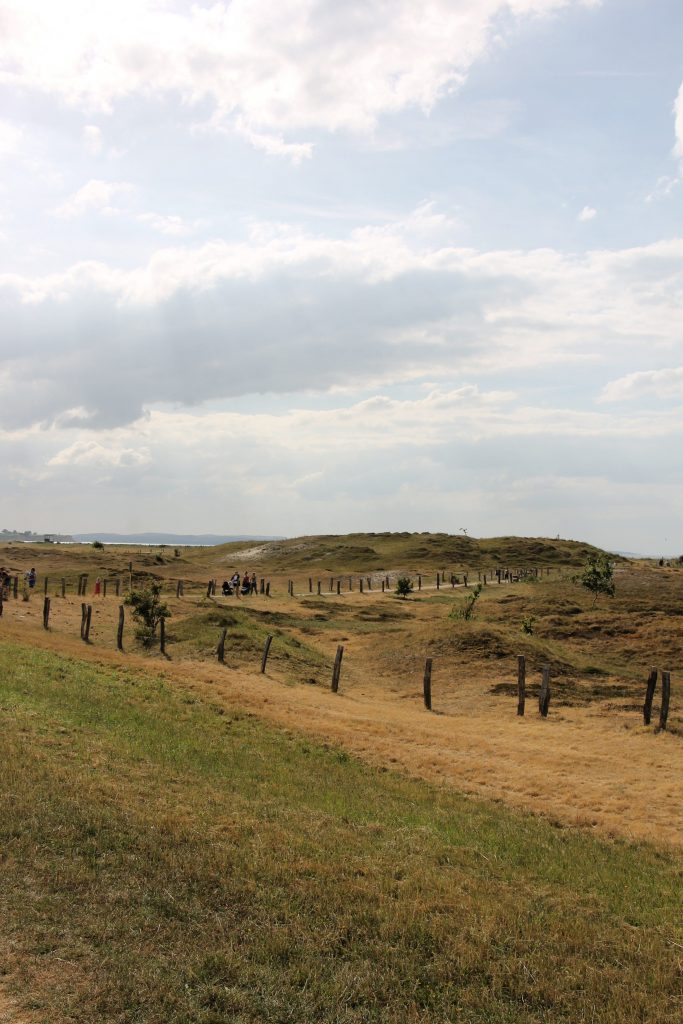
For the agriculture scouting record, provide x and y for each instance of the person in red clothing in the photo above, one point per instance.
(98, 586)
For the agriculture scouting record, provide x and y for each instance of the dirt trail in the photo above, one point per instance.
(592, 767)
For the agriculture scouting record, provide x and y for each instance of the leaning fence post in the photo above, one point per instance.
(220, 650)
(266, 649)
(119, 631)
(649, 695)
(544, 695)
(666, 694)
(337, 668)
(427, 684)
(521, 684)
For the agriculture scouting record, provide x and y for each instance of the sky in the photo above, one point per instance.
(314, 267)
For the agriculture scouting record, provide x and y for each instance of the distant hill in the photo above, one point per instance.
(357, 552)
(168, 538)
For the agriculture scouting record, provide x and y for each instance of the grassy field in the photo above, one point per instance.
(168, 858)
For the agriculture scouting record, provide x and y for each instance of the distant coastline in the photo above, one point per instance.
(182, 539)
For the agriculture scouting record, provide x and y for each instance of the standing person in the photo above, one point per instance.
(235, 583)
(32, 578)
(254, 585)
(98, 586)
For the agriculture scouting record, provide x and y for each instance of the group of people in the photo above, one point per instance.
(235, 585)
(7, 577)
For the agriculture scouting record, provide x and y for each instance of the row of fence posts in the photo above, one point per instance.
(366, 582)
(543, 696)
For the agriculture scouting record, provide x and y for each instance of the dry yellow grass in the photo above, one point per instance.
(594, 766)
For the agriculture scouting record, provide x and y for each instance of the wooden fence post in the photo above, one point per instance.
(666, 695)
(382, 586)
(15, 587)
(438, 582)
(419, 582)
(649, 695)
(88, 617)
(209, 588)
(310, 585)
(46, 613)
(118, 588)
(177, 589)
(427, 684)
(162, 635)
(268, 589)
(119, 631)
(318, 588)
(63, 587)
(337, 668)
(84, 612)
(266, 649)
(360, 582)
(1, 600)
(521, 684)
(544, 695)
(338, 586)
(220, 650)
(262, 588)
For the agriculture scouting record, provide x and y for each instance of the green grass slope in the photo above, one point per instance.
(165, 861)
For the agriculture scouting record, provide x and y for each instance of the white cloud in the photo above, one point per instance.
(285, 311)
(168, 224)
(92, 139)
(678, 123)
(663, 188)
(588, 213)
(95, 453)
(665, 383)
(256, 61)
(95, 195)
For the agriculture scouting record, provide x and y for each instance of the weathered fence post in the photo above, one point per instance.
(360, 583)
(118, 588)
(318, 588)
(337, 668)
(220, 650)
(544, 695)
(266, 649)
(438, 582)
(427, 684)
(84, 612)
(310, 585)
(649, 695)
(119, 631)
(177, 589)
(262, 588)
(63, 587)
(88, 617)
(521, 684)
(382, 586)
(162, 635)
(339, 586)
(666, 695)
(1, 601)
(268, 589)
(419, 582)
(46, 613)
(209, 588)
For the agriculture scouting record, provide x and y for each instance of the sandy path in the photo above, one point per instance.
(582, 766)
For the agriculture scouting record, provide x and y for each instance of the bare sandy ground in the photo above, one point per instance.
(595, 767)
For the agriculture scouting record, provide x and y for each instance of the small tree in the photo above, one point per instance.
(466, 609)
(404, 586)
(97, 544)
(148, 609)
(598, 576)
